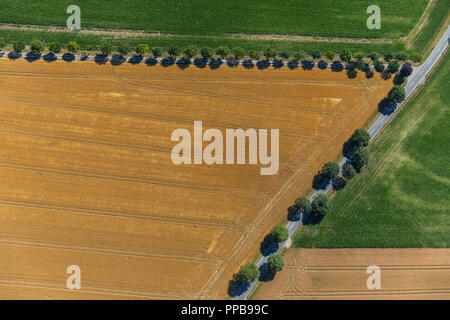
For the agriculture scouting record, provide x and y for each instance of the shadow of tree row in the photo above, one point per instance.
(201, 63)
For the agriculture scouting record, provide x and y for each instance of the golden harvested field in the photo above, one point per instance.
(342, 274)
(86, 176)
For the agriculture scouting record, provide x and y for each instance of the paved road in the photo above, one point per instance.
(416, 78)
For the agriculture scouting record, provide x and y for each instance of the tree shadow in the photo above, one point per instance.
(386, 106)
(248, 64)
(268, 246)
(385, 75)
(151, 62)
(322, 65)
(117, 60)
(398, 79)
(14, 55)
(215, 64)
(263, 64)
(307, 65)
(68, 57)
(135, 59)
(336, 66)
(293, 213)
(312, 219)
(339, 183)
(167, 62)
(293, 64)
(351, 74)
(369, 74)
(49, 57)
(319, 181)
(265, 274)
(84, 57)
(236, 287)
(31, 57)
(183, 63)
(232, 63)
(277, 64)
(348, 148)
(200, 62)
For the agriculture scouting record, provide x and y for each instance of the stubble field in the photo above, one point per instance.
(86, 176)
(341, 274)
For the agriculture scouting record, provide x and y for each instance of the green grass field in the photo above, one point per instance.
(438, 14)
(402, 198)
(294, 17)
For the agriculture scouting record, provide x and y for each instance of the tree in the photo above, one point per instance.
(348, 171)
(18, 46)
(330, 55)
(360, 65)
(37, 46)
(360, 158)
(299, 56)
(285, 55)
(321, 205)
(358, 56)
(373, 56)
(330, 170)
(402, 56)
(393, 66)
(397, 94)
(406, 70)
(270, 53)
(388, 56)
(142, 49)
(206, 53)
(416, 57)
(302, 205)
(173, 51)
(54, 47)
(315, 54)
(223, 52)
(275, 263)
(279, 233)
(189, 52)
(254, 55)
(123, 49)
(2, 43)
(248, 273)
(73, 47)
(378, 65)
(360, 138)
(157, 52)
(105, 48)
(346, 55)
(238, 52)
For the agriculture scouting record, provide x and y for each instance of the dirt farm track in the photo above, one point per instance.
(86, 176)
(342, 274)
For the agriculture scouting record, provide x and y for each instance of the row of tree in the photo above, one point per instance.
(106, 48)
(356, 149)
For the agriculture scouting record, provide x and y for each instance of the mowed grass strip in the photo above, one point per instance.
(435, 19)
(402, 198)
(292, 17)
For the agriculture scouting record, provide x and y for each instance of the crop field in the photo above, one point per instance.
(86, 176)
(402, 198)
(341, 274)
(323, 18)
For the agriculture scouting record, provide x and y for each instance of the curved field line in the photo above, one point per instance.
(142, 115)
(88, 289)
(110, 213)
(126, 179)
(265, 211)
(36, 244)
(261, 194)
